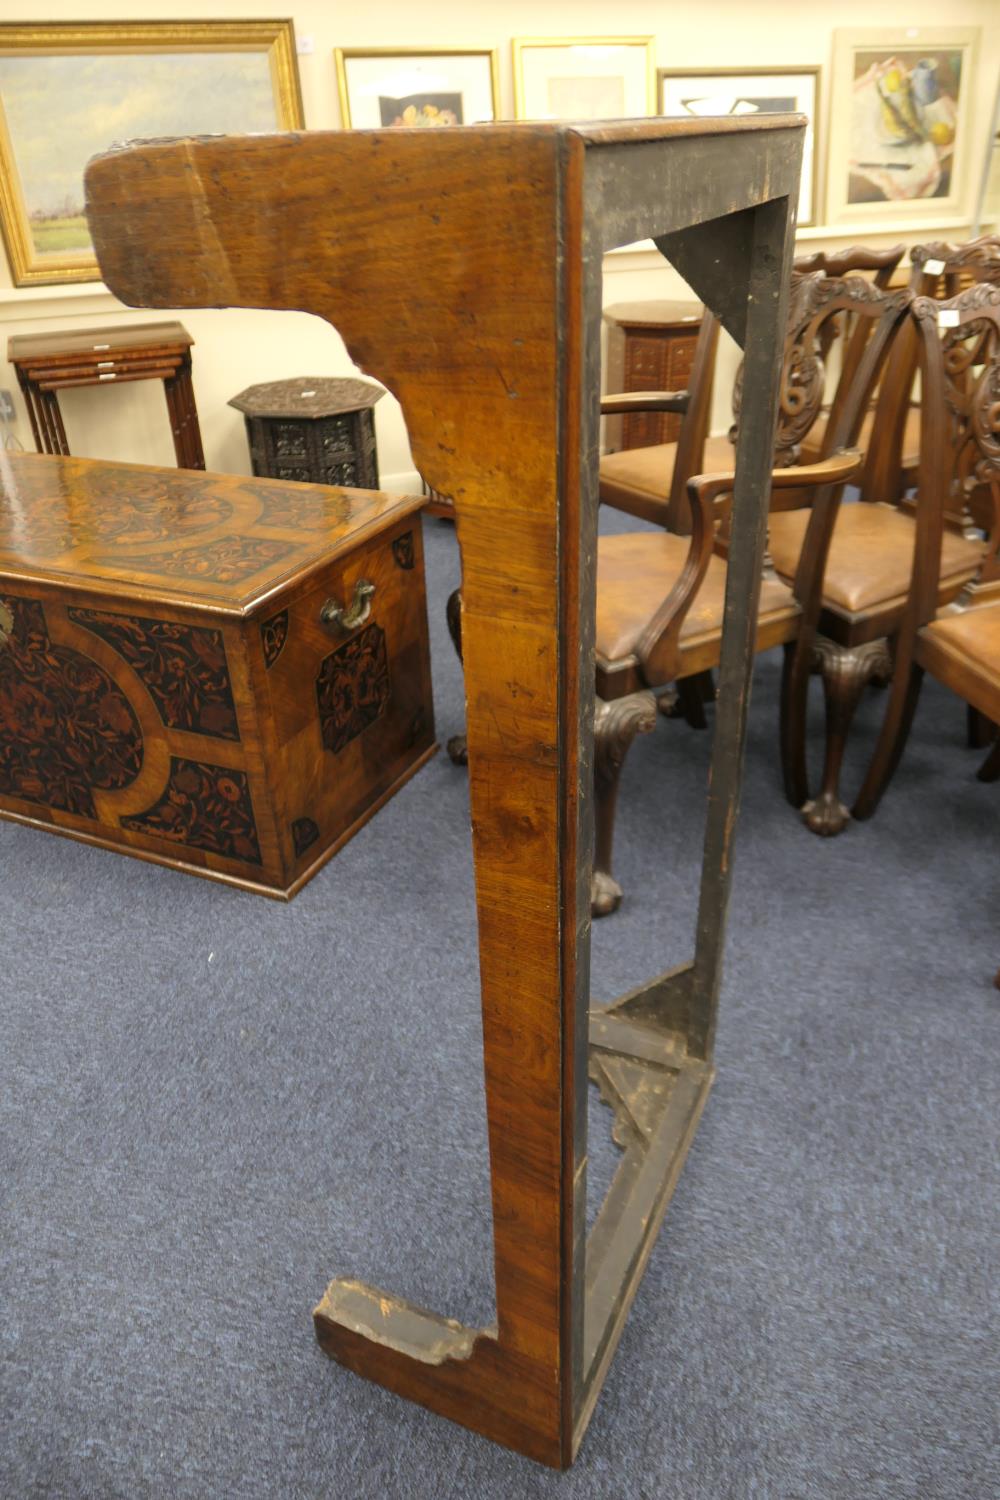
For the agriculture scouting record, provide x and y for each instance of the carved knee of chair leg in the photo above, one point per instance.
(616, 725)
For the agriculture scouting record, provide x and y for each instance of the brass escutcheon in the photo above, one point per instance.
(356, 613)
(6, 624)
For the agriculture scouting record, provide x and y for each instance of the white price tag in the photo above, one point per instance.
(305, 46)
(304, 394)
(933, 267)
(948, 317)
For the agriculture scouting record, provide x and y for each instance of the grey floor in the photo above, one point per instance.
(211, 1104)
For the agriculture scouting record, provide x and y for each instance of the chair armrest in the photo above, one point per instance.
(839, 468)
(676, 401)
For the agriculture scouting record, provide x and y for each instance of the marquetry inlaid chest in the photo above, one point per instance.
(224, 674)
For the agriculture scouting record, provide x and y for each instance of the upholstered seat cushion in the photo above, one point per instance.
(871, 556)
(812, 443)
(645, 473)
(970, 639)
(636, 571)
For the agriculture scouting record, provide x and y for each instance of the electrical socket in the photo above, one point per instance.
(6, 406)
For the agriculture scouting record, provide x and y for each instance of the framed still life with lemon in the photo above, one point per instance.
(900, 123)
(415, 87)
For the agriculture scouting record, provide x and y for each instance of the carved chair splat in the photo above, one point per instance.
(490, 339)
(958, 643)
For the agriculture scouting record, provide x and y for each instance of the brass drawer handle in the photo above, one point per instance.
(6, 624)
(356, 613)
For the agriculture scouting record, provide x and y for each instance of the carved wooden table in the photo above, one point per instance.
(317, 429)
(50, 362)
(490, 339)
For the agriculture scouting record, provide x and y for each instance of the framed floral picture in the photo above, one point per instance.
(583, 78)
(751, 91)
(900, 123)
(416, 87)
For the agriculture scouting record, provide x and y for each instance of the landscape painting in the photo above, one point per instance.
(62, 105)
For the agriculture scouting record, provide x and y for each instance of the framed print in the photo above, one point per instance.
(583, 78)
(745, 91)
(68, 92)
(899, 123)
(417, 87)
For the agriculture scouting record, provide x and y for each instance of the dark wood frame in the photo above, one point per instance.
(786, 69)
(513, 223)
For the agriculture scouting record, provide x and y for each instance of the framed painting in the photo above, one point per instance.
(583, 78)
(900, 123)
(749, 91)
(68, 92)
(416, 87)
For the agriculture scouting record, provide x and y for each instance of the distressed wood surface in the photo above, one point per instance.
(489, 338)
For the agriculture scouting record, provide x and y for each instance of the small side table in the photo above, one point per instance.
(50, 362)
(316, 429)
(650, 348)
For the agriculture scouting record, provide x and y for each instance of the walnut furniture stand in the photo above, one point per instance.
(490, 339)
(47, 363)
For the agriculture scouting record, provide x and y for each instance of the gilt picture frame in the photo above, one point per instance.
(736, 91)
(70, 91)
(900, 124)
(416, 87)
(583, 78)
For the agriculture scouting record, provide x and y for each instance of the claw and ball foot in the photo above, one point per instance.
(845, 670)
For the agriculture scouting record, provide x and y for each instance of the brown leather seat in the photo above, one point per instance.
(871, 556)
(637, 570)
(645, 473)
(812, 443)
(971, 638)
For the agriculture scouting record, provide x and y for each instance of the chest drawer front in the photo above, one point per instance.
(349, 705)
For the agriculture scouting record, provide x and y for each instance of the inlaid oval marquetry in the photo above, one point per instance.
(182, 667)
(205, 807)
(66, 728)
(229, 559)
(310, 509)
(352, 688)
(153, 507)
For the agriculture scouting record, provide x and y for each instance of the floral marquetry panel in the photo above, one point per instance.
(182, 667)
(205, 807)
(66, 729)
(353, 688)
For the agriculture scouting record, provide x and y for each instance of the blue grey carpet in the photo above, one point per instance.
(211, 1104)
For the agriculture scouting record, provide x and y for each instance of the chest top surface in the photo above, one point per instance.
(223, 540)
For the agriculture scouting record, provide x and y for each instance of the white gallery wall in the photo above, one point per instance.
(234, 349)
